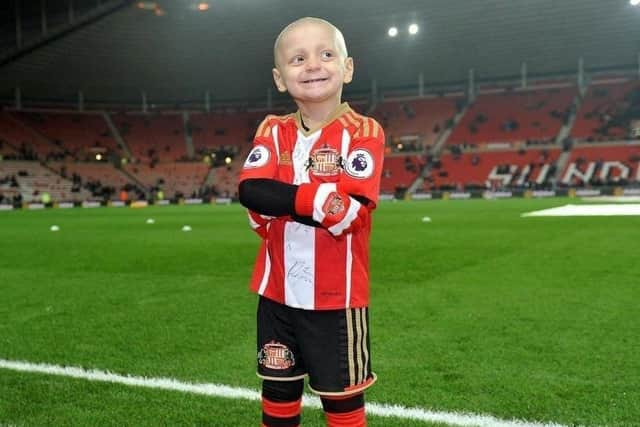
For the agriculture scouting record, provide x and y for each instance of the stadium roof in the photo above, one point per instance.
(113, 50)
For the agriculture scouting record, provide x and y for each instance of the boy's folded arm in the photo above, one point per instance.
(275, 198)
(268, 196)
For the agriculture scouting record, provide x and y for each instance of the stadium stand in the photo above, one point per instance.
(525, 121)
(400, 171)
(7, 151)
(424, 118)
(607, 110)
(26, 142)
(153, 137)
(595, 165)
(493, 169)
(176, 179)
(224, 181)
(34, 179)
(80, 136)
(221, 135)
(534, 115)
(101, 179)
(211, 131)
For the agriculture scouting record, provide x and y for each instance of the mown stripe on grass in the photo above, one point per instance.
(224, 391)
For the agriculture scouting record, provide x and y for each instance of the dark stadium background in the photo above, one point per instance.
(487, 94)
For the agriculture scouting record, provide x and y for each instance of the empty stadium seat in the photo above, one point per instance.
(599, 116)
(514, 116)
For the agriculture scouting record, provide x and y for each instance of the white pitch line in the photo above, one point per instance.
(219, 390)
(588, 210)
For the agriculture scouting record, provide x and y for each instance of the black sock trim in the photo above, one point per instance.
(341, 406)
(270, 421)
(282, 391)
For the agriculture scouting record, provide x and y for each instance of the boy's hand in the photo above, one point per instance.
(335, 210)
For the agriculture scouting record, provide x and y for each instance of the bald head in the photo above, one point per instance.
(340, 44)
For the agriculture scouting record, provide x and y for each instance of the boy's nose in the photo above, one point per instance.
(313, 63)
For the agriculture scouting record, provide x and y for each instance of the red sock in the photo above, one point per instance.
(355, 418)
(281, 413)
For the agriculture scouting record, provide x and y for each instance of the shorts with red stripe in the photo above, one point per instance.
(331, 347)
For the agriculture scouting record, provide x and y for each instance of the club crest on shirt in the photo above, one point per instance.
(324, 161)
(275, 355)
(259, 156)
(359, 164)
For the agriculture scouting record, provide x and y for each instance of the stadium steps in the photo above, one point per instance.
(210, 179)
(435, 152)
(444, 136)
(134, 179)
(418, 183)
(116, 135)
(187, 135)
(561, 163)
(565, 130)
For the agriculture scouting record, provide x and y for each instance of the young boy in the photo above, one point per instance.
(310, 183)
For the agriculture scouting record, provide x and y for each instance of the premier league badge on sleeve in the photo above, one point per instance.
(259, 156)
(359, 164)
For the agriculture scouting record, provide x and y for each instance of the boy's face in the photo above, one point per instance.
(309, 64)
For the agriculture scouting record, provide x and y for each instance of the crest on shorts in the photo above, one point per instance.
(259, 156)
(275, 355)
(324, 161)
(359, 164)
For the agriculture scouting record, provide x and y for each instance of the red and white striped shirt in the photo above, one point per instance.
(303, 266)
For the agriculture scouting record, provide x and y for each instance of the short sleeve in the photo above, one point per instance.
(262, 161)
(363, 165)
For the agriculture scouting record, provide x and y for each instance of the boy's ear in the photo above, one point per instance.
(277, 78)
(348, 70)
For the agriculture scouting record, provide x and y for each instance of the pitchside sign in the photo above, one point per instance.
(518, 176)
(612, 169)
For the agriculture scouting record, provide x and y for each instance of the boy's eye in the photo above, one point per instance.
(327, 54)
(297, 59)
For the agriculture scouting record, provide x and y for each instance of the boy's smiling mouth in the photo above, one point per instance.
(316, 80)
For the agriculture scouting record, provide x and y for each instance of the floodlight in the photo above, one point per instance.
(634, 2)
(413, 29)
(393, 31)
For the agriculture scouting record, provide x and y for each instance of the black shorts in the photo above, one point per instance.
(330, 346)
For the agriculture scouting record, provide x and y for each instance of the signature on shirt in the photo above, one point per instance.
(300, 272)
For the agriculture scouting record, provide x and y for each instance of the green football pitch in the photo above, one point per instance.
(478, 311)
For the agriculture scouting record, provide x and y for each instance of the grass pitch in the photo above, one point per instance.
(478, 311)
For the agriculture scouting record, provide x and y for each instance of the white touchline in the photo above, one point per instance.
(219, 390)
